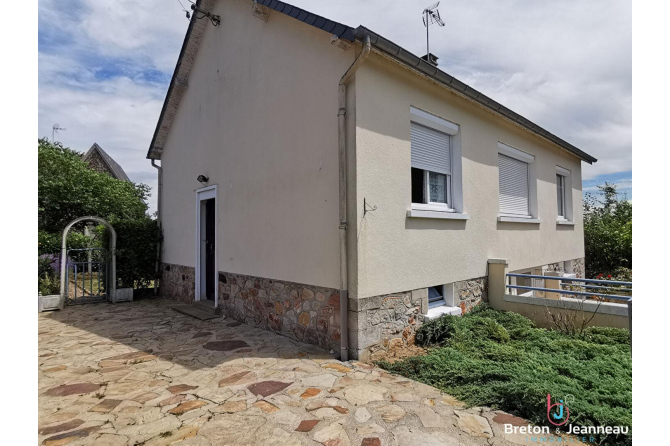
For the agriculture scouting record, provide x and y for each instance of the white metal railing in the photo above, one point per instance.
(625, 287)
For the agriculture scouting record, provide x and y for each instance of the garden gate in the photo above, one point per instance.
(95, 267)
(86, 276)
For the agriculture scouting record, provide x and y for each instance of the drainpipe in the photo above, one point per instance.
(158, 219)
(342, 146)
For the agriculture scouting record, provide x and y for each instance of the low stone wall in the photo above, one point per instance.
(538, 309)
(578, 267)
(178, 282)
(305, 313)
(469, 293)
(377, 322)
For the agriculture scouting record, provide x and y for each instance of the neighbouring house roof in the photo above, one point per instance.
(109, 166)
(380, 44)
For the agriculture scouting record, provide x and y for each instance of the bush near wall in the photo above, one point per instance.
(502, 360)
(68, 189)
(608, 232)
(136, 243)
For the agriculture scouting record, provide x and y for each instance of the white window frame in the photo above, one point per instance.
(453, 209)
(560, 196)
(442, 290)
(567, 218)
(529, 159)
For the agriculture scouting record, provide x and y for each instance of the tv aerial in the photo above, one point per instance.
(431, 16)
(55, 129)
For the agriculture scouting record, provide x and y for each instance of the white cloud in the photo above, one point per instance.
(104, 66)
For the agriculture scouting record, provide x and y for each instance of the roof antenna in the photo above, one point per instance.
(55, 129)
(431, 16)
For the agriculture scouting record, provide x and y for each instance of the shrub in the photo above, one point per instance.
(136, 242)
(48, 274)
(608, 232)
(48, 285)
(471, 358)
(436, 331)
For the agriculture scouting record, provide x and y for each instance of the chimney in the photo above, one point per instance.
(430, 58)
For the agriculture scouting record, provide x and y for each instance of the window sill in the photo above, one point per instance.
(503, 218)
(565, 222)
(421, 213)
(436, 207)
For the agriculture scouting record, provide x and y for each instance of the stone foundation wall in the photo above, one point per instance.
(305, 313)
(178, 282)
(469, 293)
(377, 322)
(578, 267)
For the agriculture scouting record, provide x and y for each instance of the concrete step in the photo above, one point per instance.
(436, 312)
(197, 311)
(207, 305)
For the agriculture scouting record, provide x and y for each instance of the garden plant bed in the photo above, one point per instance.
(499, 359)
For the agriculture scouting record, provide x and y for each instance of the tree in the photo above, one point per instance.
(608, 231)
(68, 189)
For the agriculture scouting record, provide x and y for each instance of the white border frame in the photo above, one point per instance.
(202, 194)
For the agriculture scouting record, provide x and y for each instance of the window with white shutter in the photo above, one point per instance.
(431, 165)
(436, 167)
(514, 195)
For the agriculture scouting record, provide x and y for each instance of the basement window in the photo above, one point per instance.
(435, 296)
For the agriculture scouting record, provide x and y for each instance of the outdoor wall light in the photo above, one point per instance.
(203, 179)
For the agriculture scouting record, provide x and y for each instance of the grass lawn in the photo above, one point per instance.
(501, 360)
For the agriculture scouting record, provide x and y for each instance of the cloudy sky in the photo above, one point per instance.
(105, 66)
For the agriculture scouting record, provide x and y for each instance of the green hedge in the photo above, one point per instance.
(501, 360)
(136, 242)
(135, 249)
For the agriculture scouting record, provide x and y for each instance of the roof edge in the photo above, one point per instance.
(381, 44)
(414, 62)
(153, 153)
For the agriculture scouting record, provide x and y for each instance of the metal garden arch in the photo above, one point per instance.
(111, 290)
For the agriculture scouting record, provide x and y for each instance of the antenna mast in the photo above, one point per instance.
(54, 130)
(431, 16)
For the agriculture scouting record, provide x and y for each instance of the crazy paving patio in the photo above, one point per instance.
(142, 373)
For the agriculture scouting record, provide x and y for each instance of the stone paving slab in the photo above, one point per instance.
(140, 373)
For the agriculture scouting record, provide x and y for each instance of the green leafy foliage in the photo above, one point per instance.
(502, 360)
(135, 251)
(608, 232)
(48, 266)
(68, 189)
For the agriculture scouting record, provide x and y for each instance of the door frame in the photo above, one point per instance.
(201, 195)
